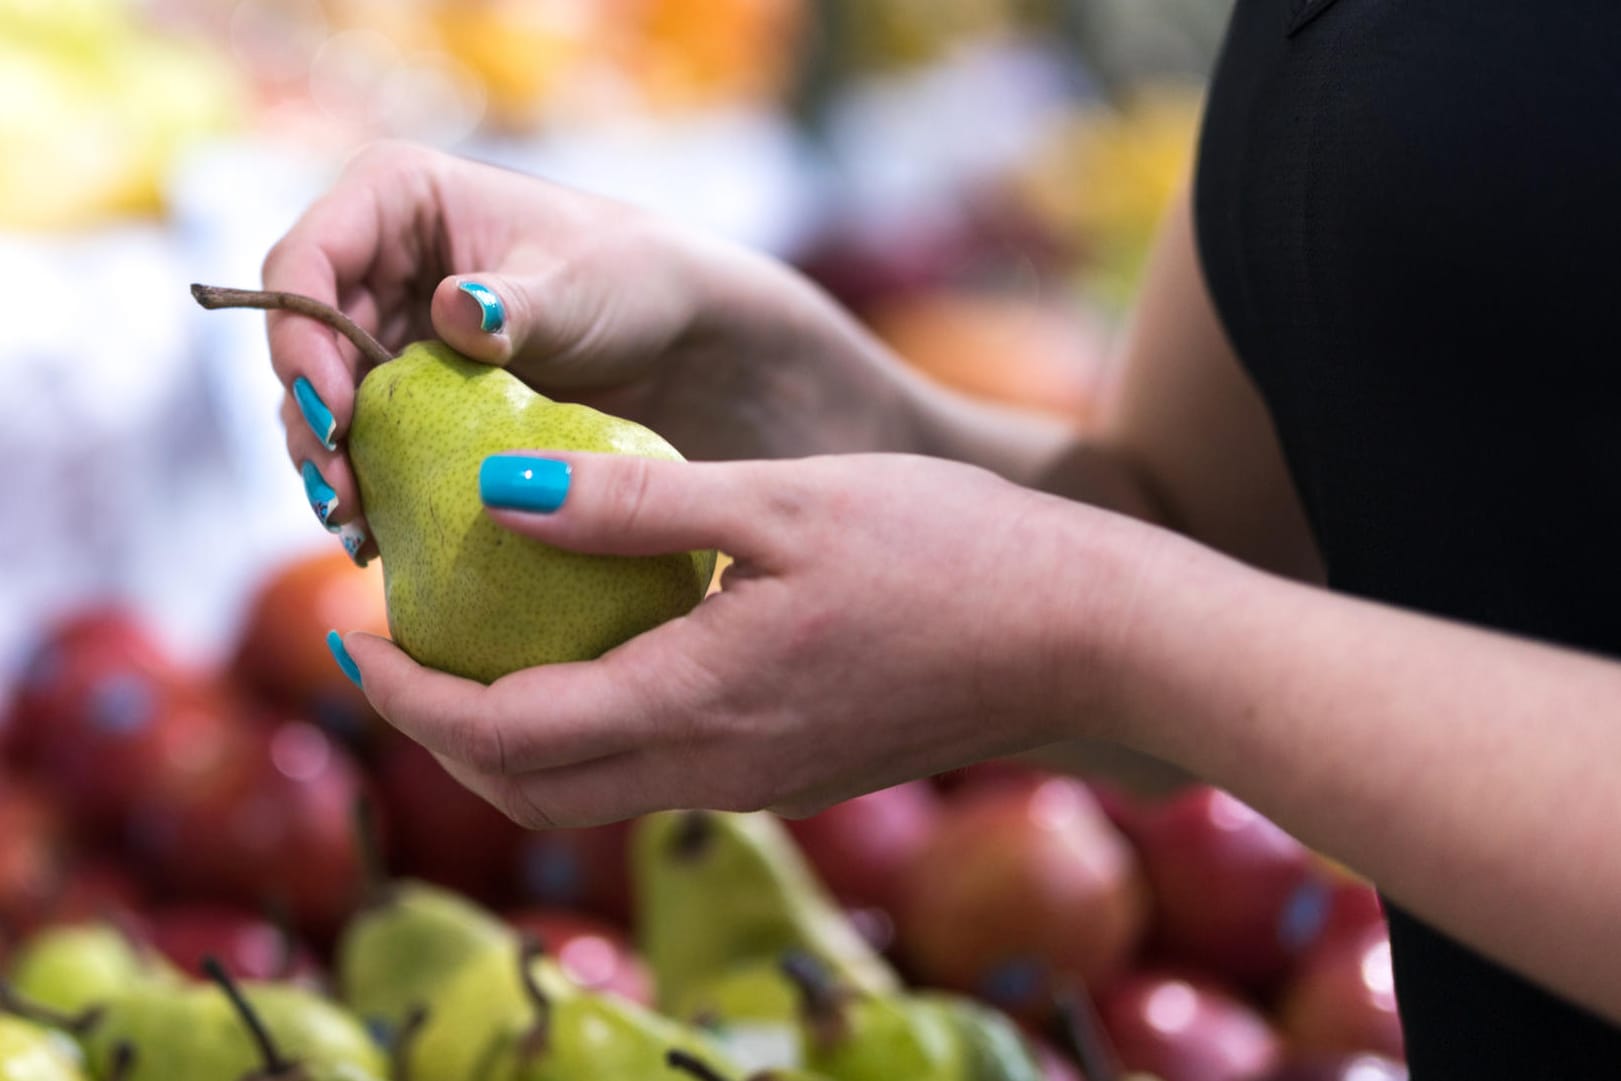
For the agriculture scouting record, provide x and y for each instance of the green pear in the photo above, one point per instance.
(399, 952)
(848, 1034)
(716, 891)
(464, 595)
(72, 968)
(259, 1032)
(995, 1048)
(33, 1052)
(518, 1017)
(752, 1011)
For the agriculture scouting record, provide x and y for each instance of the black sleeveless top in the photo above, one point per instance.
(1409, 214)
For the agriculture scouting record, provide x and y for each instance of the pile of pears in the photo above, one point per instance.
(758, 975)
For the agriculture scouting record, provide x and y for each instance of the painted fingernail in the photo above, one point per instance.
(323, 500)
(492, 313)
(517, 482)
(353, 537)
(340, 653)
(316, 414)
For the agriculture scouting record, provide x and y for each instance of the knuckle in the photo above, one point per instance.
(630, 493)
(516, 802)
(480, 745)
(388, 154)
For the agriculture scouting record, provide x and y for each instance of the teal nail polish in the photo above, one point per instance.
(516, 482)
(353, 537)
(340, 653)
(316, 414)
(492, 313)
(323, 500)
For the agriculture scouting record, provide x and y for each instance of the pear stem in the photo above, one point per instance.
(539, 1035)
(692, 835)
(821, 997)
(123, 1063)
(1083, 1033)
(400, 1053)
(697, 1067)
(275, 1065)
(214, 297)
(78, 1024)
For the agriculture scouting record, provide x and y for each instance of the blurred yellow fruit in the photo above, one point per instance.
(524, 50)
(1107, 176)
(92, 124)
(703, 52)
(1006, 349)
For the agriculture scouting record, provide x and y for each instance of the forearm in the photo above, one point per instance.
(1467, 773)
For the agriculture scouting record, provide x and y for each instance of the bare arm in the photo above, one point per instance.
(1470, 774)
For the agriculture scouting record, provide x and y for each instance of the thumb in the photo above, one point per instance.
(611, 504)
(482, 315)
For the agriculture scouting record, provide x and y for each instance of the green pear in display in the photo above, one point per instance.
(752, 1011)
(520, 1018)
(260, 1032)
(70, 969)
(852, 1036)
(716, 891)
(464, 595)
(32, 1052)
(400, 951)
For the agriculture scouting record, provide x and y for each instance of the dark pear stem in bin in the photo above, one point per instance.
(692, 1064)
(539, 1037)
(75, 1024)
(214, 297)
(123, 1063)
(409, 1031)
(275, 1064)
(1083, 1032)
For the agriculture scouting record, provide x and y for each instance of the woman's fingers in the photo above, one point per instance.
(540, 718)
(612, 504)
(329, 485)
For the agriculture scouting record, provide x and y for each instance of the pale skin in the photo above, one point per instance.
(931, 582)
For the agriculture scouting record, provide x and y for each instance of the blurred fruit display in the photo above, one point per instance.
(183, 814)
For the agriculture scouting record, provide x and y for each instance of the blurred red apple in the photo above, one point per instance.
(862, 847)
(277, 828)
(282, 654)
(1339, 1068)
(33, 850)
(440, 831)
(587, 870)
(1353, 908)
(250, 947)
(1344, 998)
(1181, 1030)
(98, 889)
(93, 660)
(134, 734)
(1234, 893)
(1018, 886)
(594, 952)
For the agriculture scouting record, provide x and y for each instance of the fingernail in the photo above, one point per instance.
(493, 314)
(517, 482)
(316, 414)
(323, 500)
(340, 653)
(353, 537)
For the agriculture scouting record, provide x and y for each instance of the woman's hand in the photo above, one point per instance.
(724, 353)
(887, 617)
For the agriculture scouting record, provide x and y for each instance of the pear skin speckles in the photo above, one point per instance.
(464, 595)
